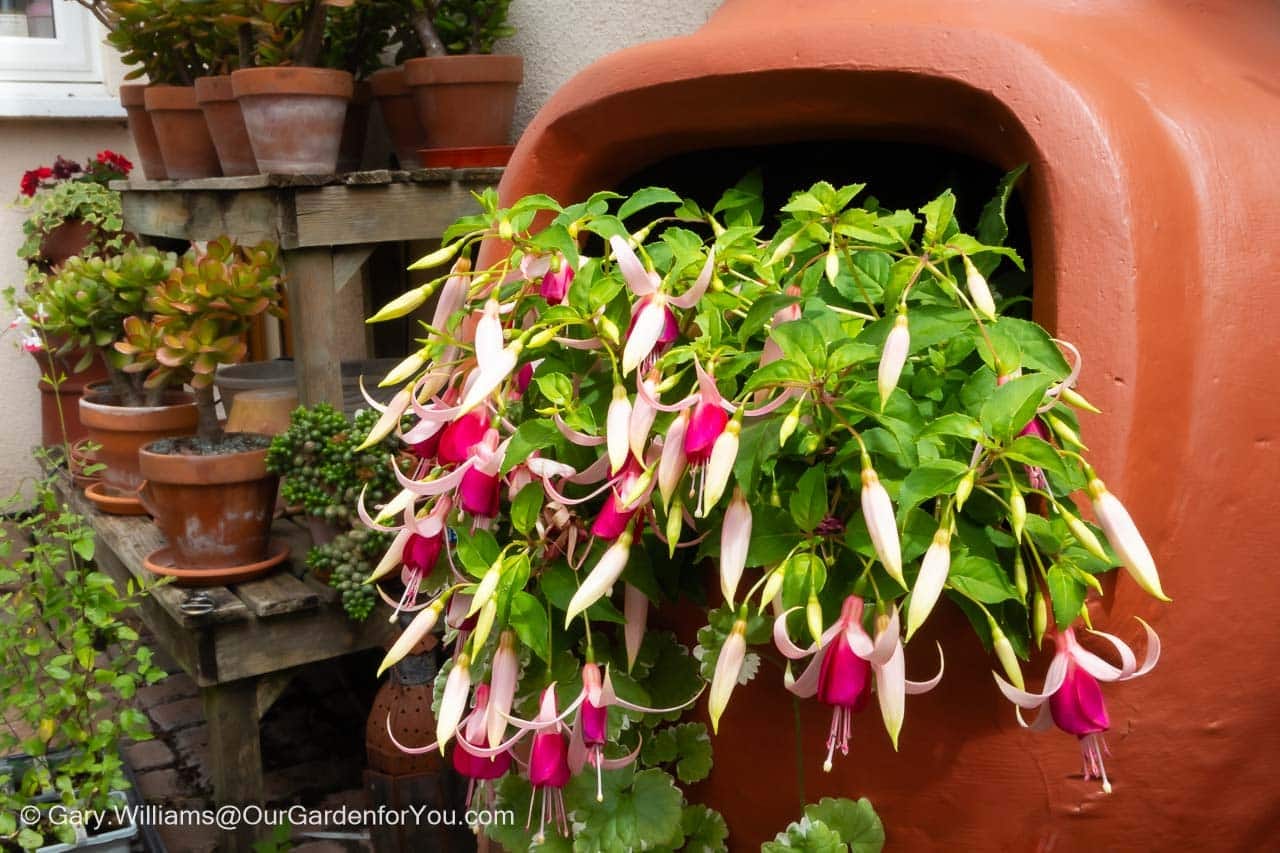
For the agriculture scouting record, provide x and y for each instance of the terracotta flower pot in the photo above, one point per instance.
(67, 395)
(122, 430)
(185, 143)
(263, 410)
(133, 99)
(215, 509)
(399, 114)
(65, 241)
(226, 125)
(465, 101)
(355, 128)
(294, 116)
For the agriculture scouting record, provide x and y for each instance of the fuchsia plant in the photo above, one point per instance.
(834, 412)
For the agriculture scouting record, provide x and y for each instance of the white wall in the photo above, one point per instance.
(557, 38)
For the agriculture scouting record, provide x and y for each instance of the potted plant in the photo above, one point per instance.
(210, 493)
(836, 417)
(160, 39)
(294, 109)
(69, 664)
(465, 94)
(225, 44)
(324, 475)
(71, 210)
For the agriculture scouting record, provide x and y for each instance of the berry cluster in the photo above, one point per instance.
(348, 560)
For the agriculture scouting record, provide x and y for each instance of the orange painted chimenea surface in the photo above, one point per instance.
(1153, 198)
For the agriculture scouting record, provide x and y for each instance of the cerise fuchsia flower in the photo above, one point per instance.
(653, 324)
(840, 671)
(1074, 695)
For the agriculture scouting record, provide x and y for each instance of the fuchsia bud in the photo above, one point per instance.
(877, 511)
(893, 358)
(643, 415)
(720, 466)
(555, 283)
(635, 609)
(735, 538)
(387, 422)
(728, 667)
(601, 579)
(416, 630)
(979, 290)
(453, 702)
(673, 462)
(1124, 537)
(504, 673)
(933, 576)
(617, 428)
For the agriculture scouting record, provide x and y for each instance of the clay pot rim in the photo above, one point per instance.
(214, 88)
(470, 68)
(133, 94)
(170, 98)
(215, 469)
(388, 83)
(290, 80)
(96, 412)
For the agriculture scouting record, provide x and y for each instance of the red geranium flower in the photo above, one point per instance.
(31, 180)
(116, 161)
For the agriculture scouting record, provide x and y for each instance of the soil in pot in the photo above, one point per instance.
(465, 101)
(399, 114)
(226, 125)
(294, 116)
(122, 430)
(185, 144)
(133, 99)
(213, 501)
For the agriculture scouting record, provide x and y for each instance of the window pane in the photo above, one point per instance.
(27, 18)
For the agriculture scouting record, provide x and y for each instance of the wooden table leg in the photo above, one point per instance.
(327, 317)
(235, 752)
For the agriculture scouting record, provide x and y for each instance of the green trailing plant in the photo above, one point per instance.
(196, 319)
(69, 666)
(88, 202)
(323, 470)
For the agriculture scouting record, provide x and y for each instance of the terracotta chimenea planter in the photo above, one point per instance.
(121, 431)
(399, 114)
(133, 99)
(185, 144)
(215, 509)
(226, 125)
(294, 116)
(465, 101)
(1153, 198)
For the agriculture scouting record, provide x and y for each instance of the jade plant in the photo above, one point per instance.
(196, 319)
(168, 41)
(835, 412)
(322, 472)
(449, 27)
(69, 666)
(295, 32)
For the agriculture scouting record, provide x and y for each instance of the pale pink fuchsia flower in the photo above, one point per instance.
(893, 358)
(933, 576)
(494, 362)
(635, 609)
(412, 634)
(1124, 537)
(673, 462)
(453, 702)
(617, 429)
(877, 511)
(979, 290)
(390, 417)
(1075, 698)
(653, 324)
(728, 667)
(623, 501)
(720, 466)
(600, 580)
(643, 414)
(844, 658)
(735, 539)
(504, 673)
(31, 342)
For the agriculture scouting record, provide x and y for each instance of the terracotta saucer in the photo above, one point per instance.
(478, 157)
(113, 503)
(160, 562)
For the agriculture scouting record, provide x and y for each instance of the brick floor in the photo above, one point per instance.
(148, 755)
(172, 716)
(189, 839)
(177, 686)
(160, 786)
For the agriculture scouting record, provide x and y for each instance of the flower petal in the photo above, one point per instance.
(891, 690)
(633, 272)
(914, 687)
(1052, 681)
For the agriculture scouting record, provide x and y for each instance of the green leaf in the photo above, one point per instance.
(801, 341)
(773, 535)
(808, 502)
(687, 745)
(1067, 594)
(782, 372)
(477, 551)
(704, 830)
(811, 836)
(762, 311)
(992, 226)
(558, 585)
(954, 424)
(1012, 405)
(526, 508)
(641, 815)
(939, 217)
(556, 387)
(857, 822)
(929, 479)
(529, 618)
(530, 436)
(1036, 350)
(1031, 450)
(981, 579)
(647, 197)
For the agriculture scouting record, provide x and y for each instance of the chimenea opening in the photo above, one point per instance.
(897, 174)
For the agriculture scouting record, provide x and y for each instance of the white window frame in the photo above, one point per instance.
(60, 77)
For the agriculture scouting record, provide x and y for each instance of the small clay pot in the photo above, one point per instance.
(65, 241)
(226, 125)
(133, 99)
(185, 143)
(214, 509)
(264, 410)
(355, 128)
(399, 114)
(465, 101)
(67, 395)
(294, 116)
(122, 430)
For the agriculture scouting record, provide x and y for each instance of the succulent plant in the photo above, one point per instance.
(349, 559)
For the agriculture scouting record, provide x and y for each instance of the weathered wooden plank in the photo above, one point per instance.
(250, 216)
(343, 215)
(258, 646)
(275, 594)
(486, 175)
(235, 751)
(328, 325)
